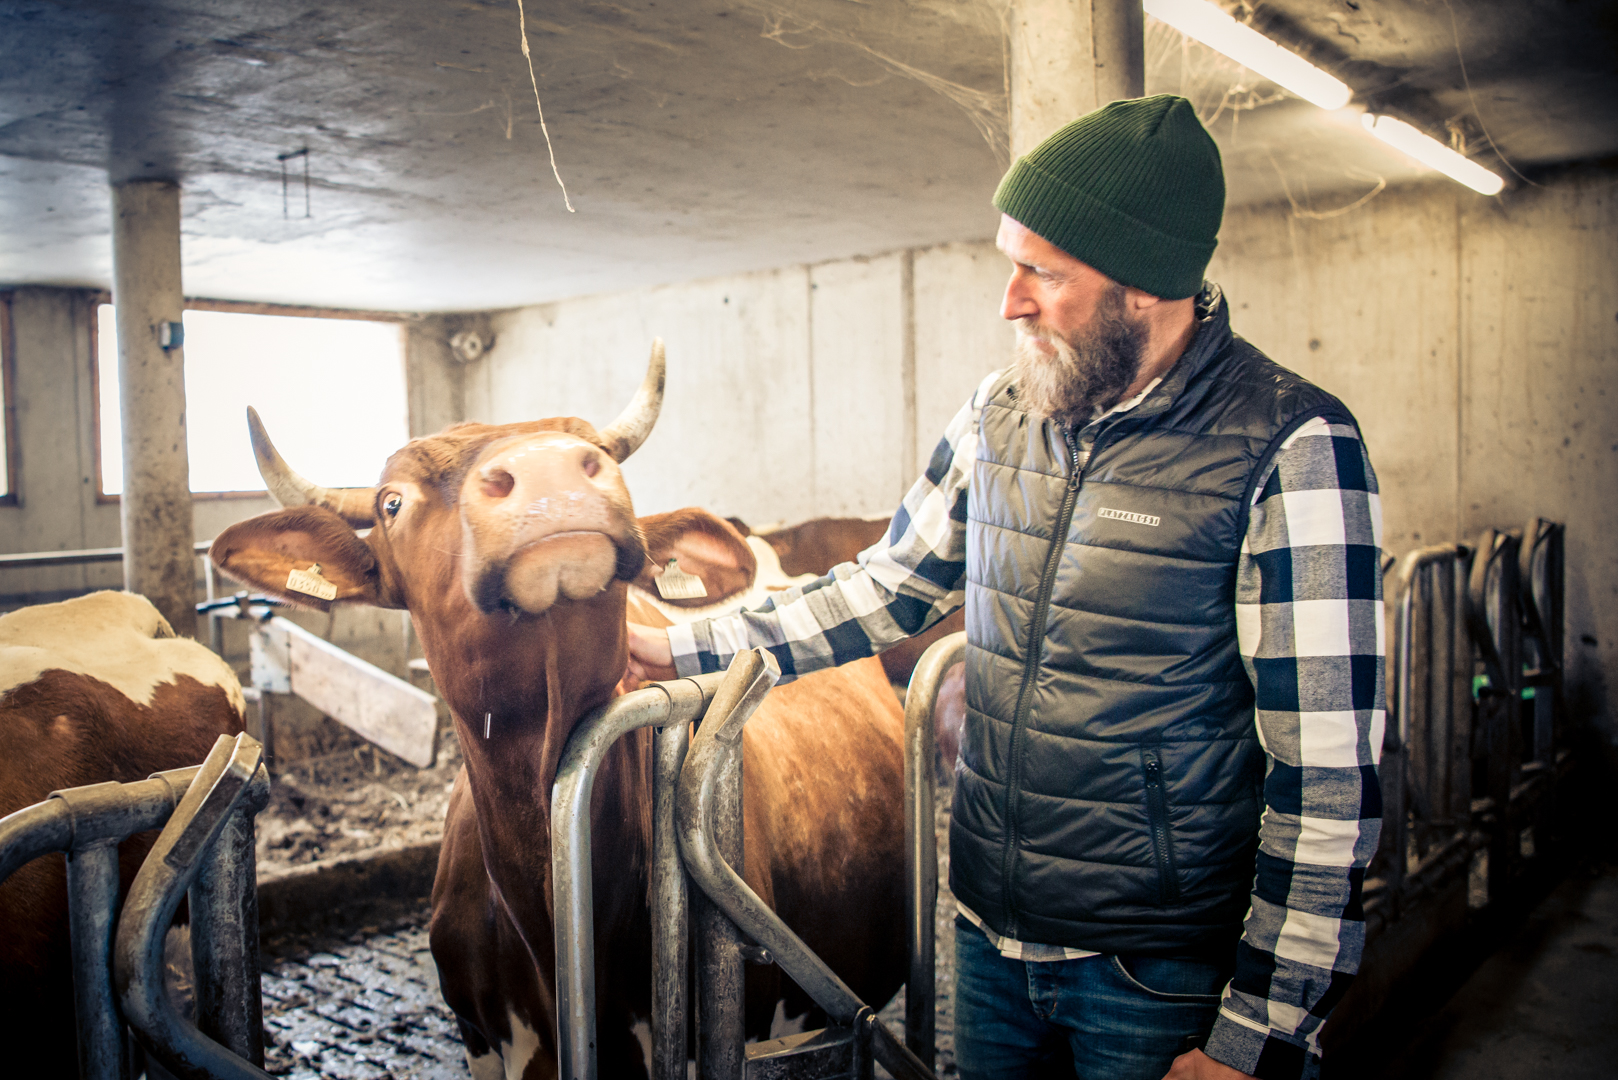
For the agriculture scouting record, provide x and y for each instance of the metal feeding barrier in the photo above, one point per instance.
(205, 851)
(697, 830)
(1473, 749)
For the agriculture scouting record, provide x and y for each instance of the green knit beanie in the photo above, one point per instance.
(1134, 189)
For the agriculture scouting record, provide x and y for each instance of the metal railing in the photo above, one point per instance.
(921, 842)
(697, 830)
(1426, 758)
(1474, 744)
(93, 556)
(205, 851)
(671, 706)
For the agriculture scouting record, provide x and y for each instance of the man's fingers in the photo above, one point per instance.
(1196, 1065)
(650, 657)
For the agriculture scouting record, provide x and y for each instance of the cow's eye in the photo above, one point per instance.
(392, 503)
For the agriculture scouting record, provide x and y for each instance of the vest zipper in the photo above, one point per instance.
(1025, 695)
(1157, 813)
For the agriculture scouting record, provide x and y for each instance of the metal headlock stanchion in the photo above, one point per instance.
(202, 850)
(671, 706)
(921, 844)
(1472, 753)
(87, 824)
(857, 1036)
(697, 813)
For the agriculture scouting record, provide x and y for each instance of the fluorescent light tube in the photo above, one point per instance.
(1433, 154)
(1211, 26)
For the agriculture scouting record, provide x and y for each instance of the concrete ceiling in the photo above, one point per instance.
(695, 138)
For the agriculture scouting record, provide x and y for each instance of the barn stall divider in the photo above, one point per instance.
(205, 852)
(1474, 751)
(697, 831)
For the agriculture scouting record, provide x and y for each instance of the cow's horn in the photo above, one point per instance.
(624, 435)
(357, 506)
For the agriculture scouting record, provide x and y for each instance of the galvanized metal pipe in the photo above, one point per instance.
(1416, 746)
(671, 930)
(721, 968)
(92, 906)
(921, 842)
(674, 702)
(34, 831)
(750, 677)
(80, 557)
(88, 823)
(175, 861)
(84, 815)
(224, 935)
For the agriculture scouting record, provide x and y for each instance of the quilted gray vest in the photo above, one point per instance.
(1110, 782)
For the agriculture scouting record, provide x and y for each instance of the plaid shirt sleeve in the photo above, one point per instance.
(1309, 620)
(900, 586)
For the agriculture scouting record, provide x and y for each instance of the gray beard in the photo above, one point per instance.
(1087, 371)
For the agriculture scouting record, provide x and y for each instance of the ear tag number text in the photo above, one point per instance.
(311, 583)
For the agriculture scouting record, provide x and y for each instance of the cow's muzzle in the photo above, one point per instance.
(545, 518)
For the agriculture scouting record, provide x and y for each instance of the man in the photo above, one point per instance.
(1169, 551)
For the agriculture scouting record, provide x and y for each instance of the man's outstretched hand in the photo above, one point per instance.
(650, 658)
(1199, 1066)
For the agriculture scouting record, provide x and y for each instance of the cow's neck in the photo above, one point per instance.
(516, 689)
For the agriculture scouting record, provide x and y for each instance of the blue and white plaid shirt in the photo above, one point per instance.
(1310, 630)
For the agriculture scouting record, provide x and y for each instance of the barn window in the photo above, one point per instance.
(331, 391)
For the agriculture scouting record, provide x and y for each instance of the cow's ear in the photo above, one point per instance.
(263, 552)
(707, 547)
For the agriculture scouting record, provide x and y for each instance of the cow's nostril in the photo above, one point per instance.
(497, 483)
(592, 464)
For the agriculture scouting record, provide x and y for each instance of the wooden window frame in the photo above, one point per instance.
(239, 307)
(8, 389)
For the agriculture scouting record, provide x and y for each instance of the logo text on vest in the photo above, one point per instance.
(1126, 515)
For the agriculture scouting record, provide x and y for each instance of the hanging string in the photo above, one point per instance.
(285, 202)
(522, 26)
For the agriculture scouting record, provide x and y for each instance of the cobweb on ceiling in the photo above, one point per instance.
(889, 33)
(903, 39)
(1220, 88)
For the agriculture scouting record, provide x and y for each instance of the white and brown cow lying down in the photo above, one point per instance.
(514, 548)
(92, 689)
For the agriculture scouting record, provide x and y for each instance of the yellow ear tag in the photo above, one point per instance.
(311, 583)
(675, 584)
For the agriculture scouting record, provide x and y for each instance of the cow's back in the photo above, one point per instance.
(824, 798)
(92, 689)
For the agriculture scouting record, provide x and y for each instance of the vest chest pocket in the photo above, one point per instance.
(1157, 814)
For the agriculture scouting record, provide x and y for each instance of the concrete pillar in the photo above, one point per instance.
(1069, 57)
(156, 505)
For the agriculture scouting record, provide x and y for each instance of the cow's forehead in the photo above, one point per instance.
(443, 459)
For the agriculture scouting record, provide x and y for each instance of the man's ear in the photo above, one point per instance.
(706, 547)
(263, 552)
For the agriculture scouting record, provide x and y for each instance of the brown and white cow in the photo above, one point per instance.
(513, 547)
(92, 689)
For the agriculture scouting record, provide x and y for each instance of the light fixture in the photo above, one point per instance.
(1432, 153)
(1217, 30)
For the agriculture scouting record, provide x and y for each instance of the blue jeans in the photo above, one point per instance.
(1100, 1018)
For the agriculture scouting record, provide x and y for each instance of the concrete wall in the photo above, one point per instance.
(1476, 341)
(793, 393)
